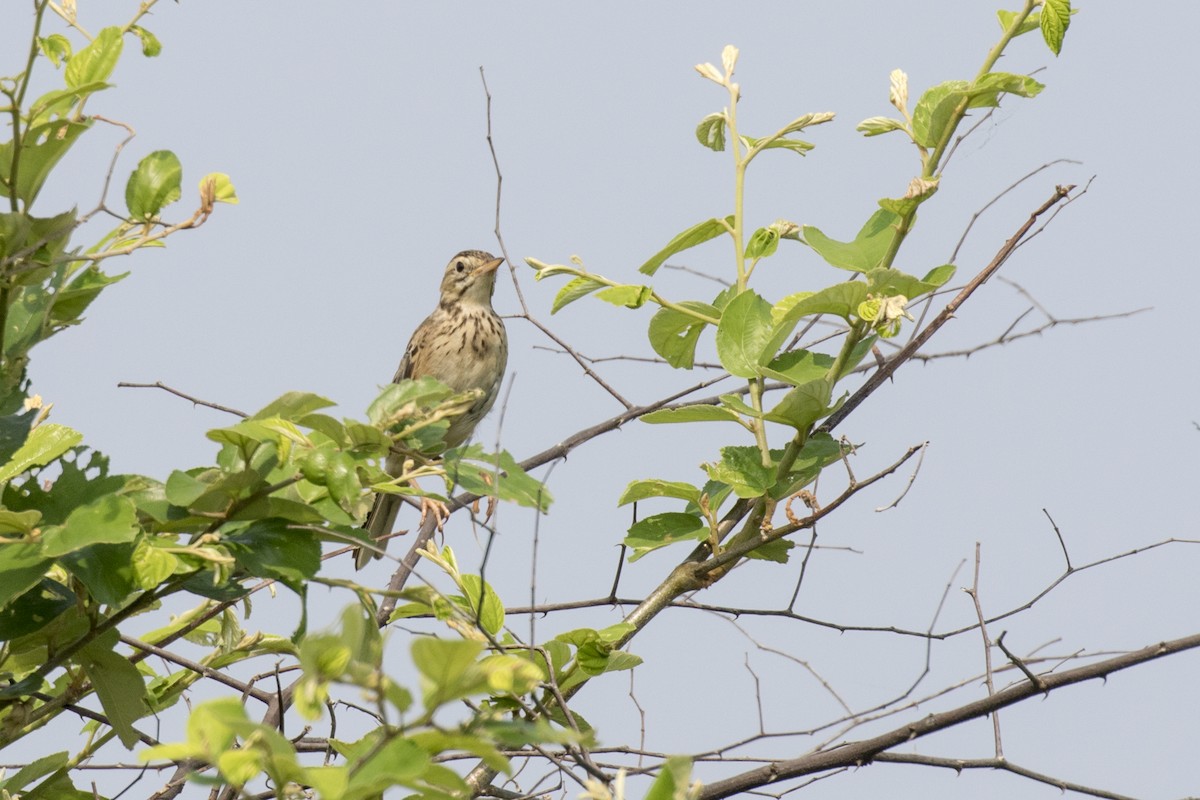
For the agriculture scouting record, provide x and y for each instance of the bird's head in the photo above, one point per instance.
(470, 276)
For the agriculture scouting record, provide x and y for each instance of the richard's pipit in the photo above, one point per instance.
(462, 344)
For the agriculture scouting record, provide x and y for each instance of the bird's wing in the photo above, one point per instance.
(405, 370)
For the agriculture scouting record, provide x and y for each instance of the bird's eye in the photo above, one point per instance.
(460, 266)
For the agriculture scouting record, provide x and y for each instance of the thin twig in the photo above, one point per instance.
(1019, 664)
(194, 400)
(973, 591)
(975, 217)
(1004, 765)
(512, 267)
(911, 479)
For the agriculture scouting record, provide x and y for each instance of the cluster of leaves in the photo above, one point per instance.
(45, 283)
(755, 338)
(82, 550)
(221, 734)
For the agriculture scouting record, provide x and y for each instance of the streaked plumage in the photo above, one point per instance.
(463, 344)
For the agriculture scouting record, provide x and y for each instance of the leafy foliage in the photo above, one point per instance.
(82, 551)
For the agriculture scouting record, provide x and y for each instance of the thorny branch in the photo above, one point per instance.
(823, 761)
(857, 754)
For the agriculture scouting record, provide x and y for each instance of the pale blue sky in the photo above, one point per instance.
(354, 134)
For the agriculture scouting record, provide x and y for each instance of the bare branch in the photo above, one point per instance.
(973, 592)
(911, 480)
(959, 764)
(975, 217)
(856, 754)
(194, 400)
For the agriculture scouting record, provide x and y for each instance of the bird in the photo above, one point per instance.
(464, 345)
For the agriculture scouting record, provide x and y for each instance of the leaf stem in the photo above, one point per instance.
(758, 424)
(932, 161)
(739, 185)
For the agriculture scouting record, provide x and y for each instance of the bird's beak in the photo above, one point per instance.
(490, 266)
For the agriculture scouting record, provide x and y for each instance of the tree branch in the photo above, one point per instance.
(857, 754)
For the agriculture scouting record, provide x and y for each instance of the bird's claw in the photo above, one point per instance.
(439, 510)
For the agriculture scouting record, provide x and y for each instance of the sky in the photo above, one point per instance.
(355, 135)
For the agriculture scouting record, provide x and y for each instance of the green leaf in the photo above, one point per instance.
(697, 413)
(777, 551)
(41, 148)
(152, 565)
(154, 185)
(874, 126)
(818, 452)
(841, 299)
(150, 44)
(935, 111)
(18, 521)
(763, 243)
(118, 684)
(674, 335)
(293, 406)
(1030, 23)
(743, 333)
(448, 669)
(741, 468)
(808, 120)
(46, 442)
(57, 103)
(183, 489)
(795, 145)
(664, 529)
(656, 487)
(34, 770)
(628, 295)
(735, 403)
(381, 760)
(272, 548)
(1055, 19)
(938, 276)
(867, 250)
(798, 366)
(939, 106)
(108, 520)
(15, 227)
(711, 131)
(433, 741)
(22, 566)
(484, 603)
(986, 90)
(326, 425)
(697, 234)
(106, 570)
(220, 186)
(403, 399)
(803, 405)
(673, 781)
(72, 300)
(14, 430)
(34, 610)
(57, 48)
(97, 61)
(572, 291)
(496, 474)
(892, 282)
